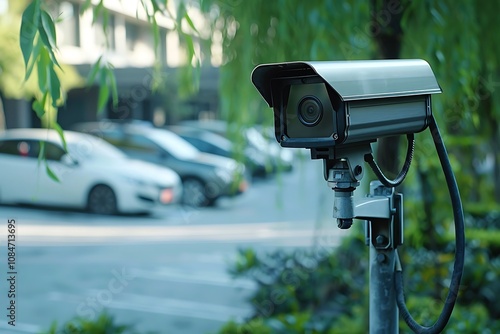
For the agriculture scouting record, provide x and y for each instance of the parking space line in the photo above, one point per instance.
(19, 328)
(63, 235)
(181, 308)
(170, 275)
(165, 306)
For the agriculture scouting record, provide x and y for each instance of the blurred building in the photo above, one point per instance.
(123, 37)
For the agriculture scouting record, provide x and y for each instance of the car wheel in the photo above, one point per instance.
(102, 200)
(193, 193)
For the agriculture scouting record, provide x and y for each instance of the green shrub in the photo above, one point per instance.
(254, 326)
(104, 324)
(306, 290)
(327, 292)
(466, 319)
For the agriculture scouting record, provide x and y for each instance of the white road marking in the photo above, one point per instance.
(19, 328)
(170, 275)
(181, 308)
(30, 233)
(164, 306)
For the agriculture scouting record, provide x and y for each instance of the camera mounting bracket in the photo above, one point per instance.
(383, 211)
(343, 171)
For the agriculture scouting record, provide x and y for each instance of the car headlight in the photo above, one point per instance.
(167, 195)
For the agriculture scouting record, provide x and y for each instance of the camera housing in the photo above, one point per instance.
(321, 104)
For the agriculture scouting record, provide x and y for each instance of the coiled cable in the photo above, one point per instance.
(458, 267)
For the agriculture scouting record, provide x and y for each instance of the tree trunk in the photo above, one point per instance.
(496, 163)
(387, 33)
(2, 116)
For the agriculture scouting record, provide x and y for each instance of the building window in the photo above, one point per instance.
(4, 7)
(69, 32)
(105, 31)
(132, 35)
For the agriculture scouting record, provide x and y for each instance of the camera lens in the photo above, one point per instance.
(310, 110)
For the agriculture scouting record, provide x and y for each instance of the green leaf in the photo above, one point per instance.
(50, 173)
(39, 105)
(33, 59)
(48, 80)
(156, 35)
(103, 98)
(93, 72)
(112, 83)
(41, 157)
(97, 11)
(60, 131)
(38, 108)
(190, 47)
(29, 27)
(49, 28)
(41, 154)
(103, 92)
(181, 9)
(30, 66)
(47, 33)
(86, 5)
(55, 86)
(43, 65)
(146, 9)
(157, 5)
(190, 22)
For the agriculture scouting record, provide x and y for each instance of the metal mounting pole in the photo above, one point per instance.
(383, 309)
(383, 211)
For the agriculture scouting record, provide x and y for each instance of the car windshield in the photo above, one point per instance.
(173, 144)
(88, 147)
(216, 140)
(256, 139)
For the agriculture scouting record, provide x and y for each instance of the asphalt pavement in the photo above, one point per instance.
(166, 272)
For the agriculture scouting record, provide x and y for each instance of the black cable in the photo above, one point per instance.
(459, 250)
(404, 171)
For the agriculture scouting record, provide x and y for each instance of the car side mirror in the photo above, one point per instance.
(69, 160)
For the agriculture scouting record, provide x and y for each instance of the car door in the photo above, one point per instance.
(139, 147)
(18, 170)
(61, 185)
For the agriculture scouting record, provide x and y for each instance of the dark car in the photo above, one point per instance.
(275, 157)
(213, 143)
(205, 177)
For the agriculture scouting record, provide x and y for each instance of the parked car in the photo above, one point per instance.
(273, 154)
(91, 174)
(205, 177)
(213, 143)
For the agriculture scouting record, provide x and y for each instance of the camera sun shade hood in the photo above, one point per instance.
(356, 79)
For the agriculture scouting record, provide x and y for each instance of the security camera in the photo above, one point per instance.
(321, 104)
(337, 109)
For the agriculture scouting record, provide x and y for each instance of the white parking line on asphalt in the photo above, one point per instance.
(170, 275)
(165, 306)
(181, 308)
(19, 328)
(57, 235)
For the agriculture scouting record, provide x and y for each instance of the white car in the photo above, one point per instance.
(92, 174)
